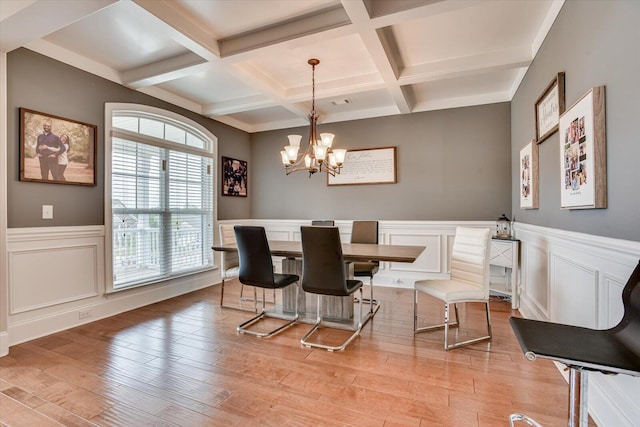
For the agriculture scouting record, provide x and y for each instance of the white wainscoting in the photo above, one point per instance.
(577, 279)
(565, 277)
(56, 280)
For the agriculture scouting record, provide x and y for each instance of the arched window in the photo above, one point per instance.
(160, 195)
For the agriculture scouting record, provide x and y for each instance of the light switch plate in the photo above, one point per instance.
(47, 211)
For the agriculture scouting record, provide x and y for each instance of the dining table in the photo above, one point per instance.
(336, 310)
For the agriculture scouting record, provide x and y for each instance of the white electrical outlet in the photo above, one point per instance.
(84, 314)
(47, 211)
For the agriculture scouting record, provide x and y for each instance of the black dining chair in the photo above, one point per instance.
(610, 351)
(324, 273)
(366, 232)
(256, 269)
(323, 223)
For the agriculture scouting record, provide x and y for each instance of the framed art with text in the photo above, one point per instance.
(529, 176)
(56, 150)
(367, 166)
(548, 108)
(583, 153)
(234, 177)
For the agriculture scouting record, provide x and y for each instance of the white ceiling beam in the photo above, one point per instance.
(238, 105)
(385, 13)
(235, 123)
(163, 71)
(549, 19)
(40, 18)
(313, 23)
(338, 87)
(379, 49)
(466, 66)
(187, 30)
(462, 101)
(172, 98)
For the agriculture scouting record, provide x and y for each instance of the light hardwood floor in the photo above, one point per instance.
(180, 362)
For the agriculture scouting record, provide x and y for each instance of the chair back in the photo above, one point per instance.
(323, 269)
(229, 260)
(470, 257)
(628, 330)
(323, 222)
(256, 266)
(364, 232)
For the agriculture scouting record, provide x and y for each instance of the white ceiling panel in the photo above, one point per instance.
(230, 18)
(122, 36)
(244, 62)
(209, 85)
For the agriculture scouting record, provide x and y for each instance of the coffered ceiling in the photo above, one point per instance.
(244, 62)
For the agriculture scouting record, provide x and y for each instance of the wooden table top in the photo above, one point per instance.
(350, 251)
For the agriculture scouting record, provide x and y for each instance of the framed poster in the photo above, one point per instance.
(56, 150)
(367, 166)
(529, 176)
(548, 108)
(234, 177)
(583, 156)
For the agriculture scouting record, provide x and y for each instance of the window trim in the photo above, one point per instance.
(109, 133)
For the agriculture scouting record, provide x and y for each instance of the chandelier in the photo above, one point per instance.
(318, 156)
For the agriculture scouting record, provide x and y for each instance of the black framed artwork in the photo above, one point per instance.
(234, 177)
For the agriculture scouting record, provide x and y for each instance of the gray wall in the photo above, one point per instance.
(43, 84)
(595, 43)
(452, 165)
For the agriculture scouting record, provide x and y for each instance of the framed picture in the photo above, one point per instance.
(529, 176)
(583, 153)
(234, 177)
(549, 107)
(367, 166)
(56, 150)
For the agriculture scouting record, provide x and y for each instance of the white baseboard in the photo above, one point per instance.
(36, 327)
(4, 343)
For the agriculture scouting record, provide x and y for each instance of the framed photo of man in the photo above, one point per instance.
(56, 150)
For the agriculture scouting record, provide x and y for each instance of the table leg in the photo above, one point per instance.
(337, 309)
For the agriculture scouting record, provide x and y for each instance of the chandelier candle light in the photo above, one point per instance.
(318, 156)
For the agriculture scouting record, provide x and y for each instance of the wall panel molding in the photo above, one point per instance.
(583, 277)
(57, 281)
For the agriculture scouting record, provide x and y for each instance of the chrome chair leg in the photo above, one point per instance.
(243, 328)
(525, 419)
(308, 344)
(446, 325)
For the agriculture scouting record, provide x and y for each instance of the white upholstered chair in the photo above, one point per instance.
(469, 282)
(230, 263)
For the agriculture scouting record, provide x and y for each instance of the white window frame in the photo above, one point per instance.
(110, 108)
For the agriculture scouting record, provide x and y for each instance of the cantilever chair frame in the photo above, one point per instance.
(225, 240)
(305, 341)
(244, 249)
(608, 352)
(446, 325)
(319, 323)
(374, 305)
